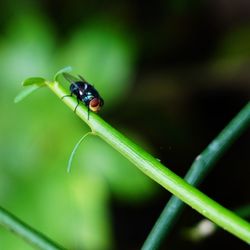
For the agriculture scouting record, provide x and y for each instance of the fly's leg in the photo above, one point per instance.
(71, 96)
(76, 105)
(88, 112)
(67, 96)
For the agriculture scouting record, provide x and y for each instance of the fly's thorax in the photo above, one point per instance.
(88, 96)
(78, 89)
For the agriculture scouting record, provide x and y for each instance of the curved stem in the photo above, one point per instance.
(75, 149)
(158, 172)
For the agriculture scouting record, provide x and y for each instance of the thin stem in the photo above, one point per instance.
(158, 172)
(74, 150)
(29, 234)
(197, 232)
(201, 166)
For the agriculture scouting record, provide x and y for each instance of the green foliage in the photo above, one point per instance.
(40, 147)
(40, 140)
(27, 44)
(35, 142)
(150, 165)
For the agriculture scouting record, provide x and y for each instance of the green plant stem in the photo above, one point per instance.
(158, 172)
(198, 170)
(196, 232)
(29, 234)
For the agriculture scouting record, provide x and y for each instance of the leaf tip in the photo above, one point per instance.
(17, 99)
(33, 80)
(26, 92)
(61, 71)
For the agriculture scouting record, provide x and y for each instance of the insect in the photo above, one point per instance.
(84, 92)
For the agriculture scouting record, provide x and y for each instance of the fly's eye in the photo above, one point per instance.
(95, 104)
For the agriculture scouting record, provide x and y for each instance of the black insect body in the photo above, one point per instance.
(85, 93)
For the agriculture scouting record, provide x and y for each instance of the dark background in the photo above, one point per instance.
(172, 74)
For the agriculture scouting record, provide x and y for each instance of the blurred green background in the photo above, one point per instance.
(172, 74)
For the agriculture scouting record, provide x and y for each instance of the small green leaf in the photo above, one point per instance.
(34, 80)
(26, 91)
(66, 69)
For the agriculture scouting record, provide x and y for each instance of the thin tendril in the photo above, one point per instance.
(74, 150)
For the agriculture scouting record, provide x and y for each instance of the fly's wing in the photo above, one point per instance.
(70, 78)
(82, 78)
